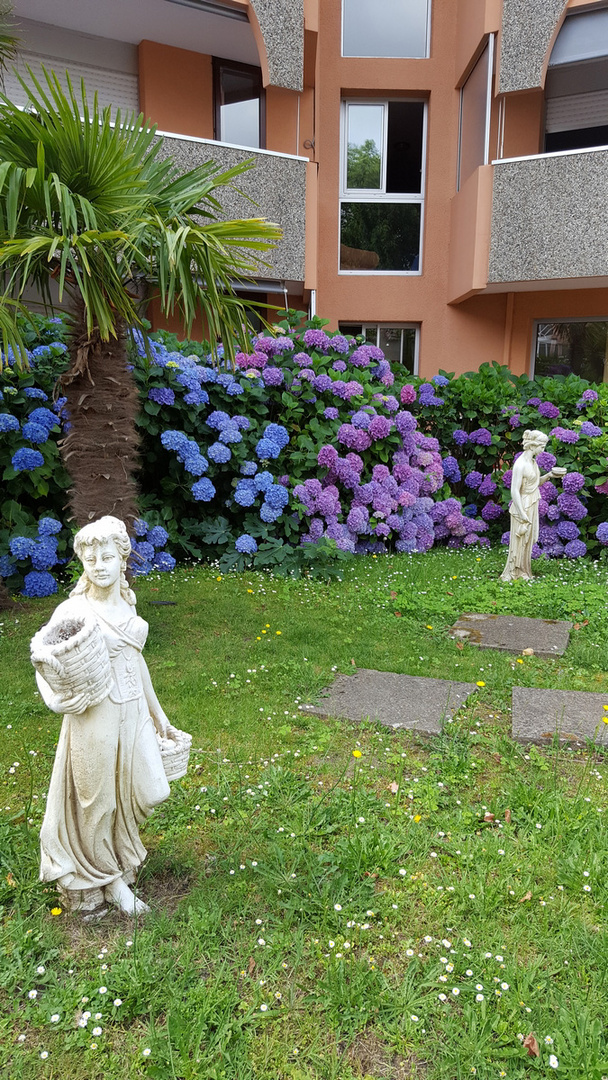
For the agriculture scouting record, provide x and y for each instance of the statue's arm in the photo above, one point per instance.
(157, 712)
(516, 485)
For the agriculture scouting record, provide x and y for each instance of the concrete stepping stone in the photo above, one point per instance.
(396, 701)
(514, 633)
(575, 715)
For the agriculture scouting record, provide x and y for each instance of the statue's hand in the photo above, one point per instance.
(161, 723)
(78, 703)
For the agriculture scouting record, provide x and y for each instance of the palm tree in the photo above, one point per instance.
(89, 204)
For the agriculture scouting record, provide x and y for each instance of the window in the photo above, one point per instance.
(578, 347)
(475, 105)
(576, 88)
(382, 186)
(239, 104)
(398, 343)
(398, 28)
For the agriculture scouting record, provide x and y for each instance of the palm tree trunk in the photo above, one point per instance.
(100, 448)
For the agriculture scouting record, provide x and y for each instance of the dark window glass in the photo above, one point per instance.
(239, 104)
(380, 236)
(563, 348)
(404, 147)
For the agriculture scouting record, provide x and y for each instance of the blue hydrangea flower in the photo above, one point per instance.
(8, 423)
(277, 497)
(35, 392)
(451, 470)
(174, 440)
(218, 419)
(230, 434)
(440, 380)
(277, 433)
(39, 583)
(162, 395)
(48, 526)
(43, 416)
(219, 453)
(196, 397)
(203, 490)
(196, 464)
(157, 536)
(591, 430)
(249, 468)
(268, 514)
(246, 545)
(234, 389)
(267, 448)
(44, 555)
(263, 481)
(460, 437)
(144, 549)
(245, 493)
(22, 547)
(36, 433)
(140, 527)
(163, 561)
(7, 567)
(25, 459)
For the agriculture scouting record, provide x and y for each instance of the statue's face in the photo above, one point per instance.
(102, 564)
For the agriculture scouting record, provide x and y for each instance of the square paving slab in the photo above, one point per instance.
(514, 633)
(397, 701)
(574, 714)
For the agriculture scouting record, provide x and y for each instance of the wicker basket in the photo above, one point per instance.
(71, 656)
(175, 752)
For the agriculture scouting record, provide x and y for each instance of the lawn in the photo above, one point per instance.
(329, 900)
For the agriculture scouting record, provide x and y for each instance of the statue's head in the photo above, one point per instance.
(103, 548)
(535, 441)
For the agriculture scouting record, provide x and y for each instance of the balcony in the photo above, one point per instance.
(274, 189)
(531, 223)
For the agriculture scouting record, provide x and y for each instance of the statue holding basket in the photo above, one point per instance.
(117, 749)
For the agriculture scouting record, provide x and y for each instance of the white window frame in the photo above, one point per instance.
(378, 195)
(427, 52)
(378, 326)
(561, 319)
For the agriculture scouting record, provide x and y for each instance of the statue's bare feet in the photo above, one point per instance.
(120, 894)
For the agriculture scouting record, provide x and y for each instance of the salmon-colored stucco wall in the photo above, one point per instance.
(176, 89)
(473, 331)
(476, 19)
(559, 304)
(523, 124)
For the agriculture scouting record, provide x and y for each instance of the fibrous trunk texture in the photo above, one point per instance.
(99, 449)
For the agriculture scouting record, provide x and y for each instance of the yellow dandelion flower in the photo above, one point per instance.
(429, 627)
(250, 590)
(417, 818)
(219, 577)
(357, 753)
(481, 683)
(56, 911)
(278, 632)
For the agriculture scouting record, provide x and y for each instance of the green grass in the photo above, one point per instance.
(307, 903)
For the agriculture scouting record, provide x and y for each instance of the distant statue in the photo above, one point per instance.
(525, 494)
(108, 773)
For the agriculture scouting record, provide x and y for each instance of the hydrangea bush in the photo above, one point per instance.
(312, 448)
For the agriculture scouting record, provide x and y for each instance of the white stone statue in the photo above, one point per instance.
(108, 773)
(525, 494)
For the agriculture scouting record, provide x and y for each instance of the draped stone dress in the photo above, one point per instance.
(524, 536)
(107, 776)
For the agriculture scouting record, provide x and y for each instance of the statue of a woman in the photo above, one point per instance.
(525, 494)
(108, 773)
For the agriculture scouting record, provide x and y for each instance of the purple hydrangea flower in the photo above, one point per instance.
(272, 376)
(573, 482)
(405, 422)
(548, 410)
(339, 344)
(546, 461)
(451, 470)
(533, 401)
(602, 532)
(331, 413)
(491, 511)
(379, 427)
(481, 436)
(571, 507)
(591, 430)
(575, 549)
(322, 382)
(564, 435)
(408, 394)
(473, 479)
(567, 530)
(587, 398)
(327, 456)
(317, 339)
(487, 486)
(338, 365)
(460, 437)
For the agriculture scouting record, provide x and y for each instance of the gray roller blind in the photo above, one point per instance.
(576, 111)
(116, 88)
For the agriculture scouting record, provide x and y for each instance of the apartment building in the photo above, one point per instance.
(439, 167)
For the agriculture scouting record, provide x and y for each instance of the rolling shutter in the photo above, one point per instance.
(116, 88)
(574, 111)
